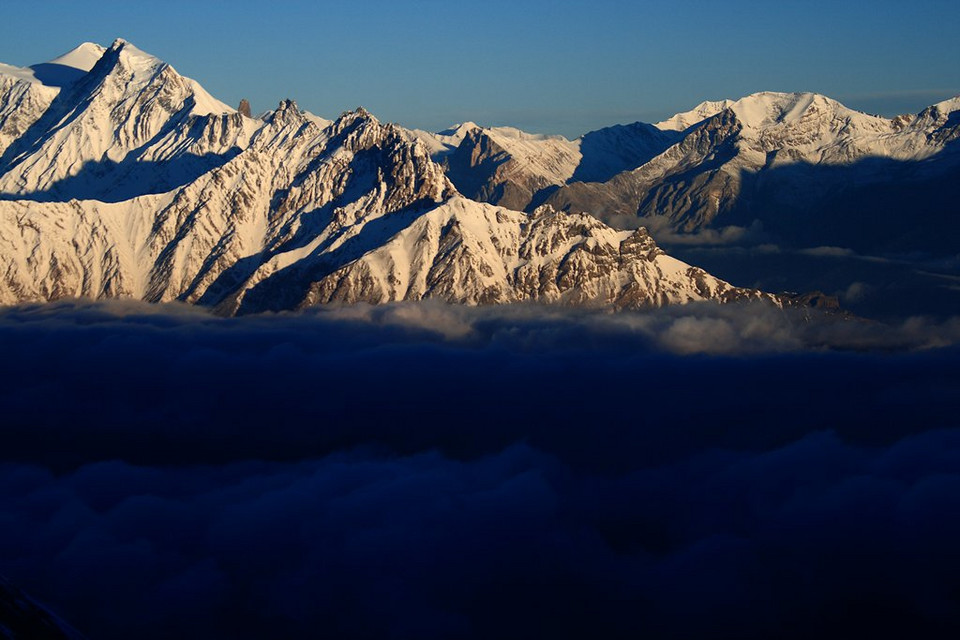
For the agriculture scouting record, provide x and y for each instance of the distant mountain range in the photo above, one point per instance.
(807, 168)
(121, 178)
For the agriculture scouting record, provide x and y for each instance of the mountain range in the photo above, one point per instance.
(809, 169)
(121, 178)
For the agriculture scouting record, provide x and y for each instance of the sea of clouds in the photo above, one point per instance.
(434, 471)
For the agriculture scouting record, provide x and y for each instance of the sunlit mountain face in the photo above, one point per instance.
(278, 375)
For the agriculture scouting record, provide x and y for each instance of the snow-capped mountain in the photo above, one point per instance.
(811, 170)
(802, 167)
(126, 179)
(129, 109)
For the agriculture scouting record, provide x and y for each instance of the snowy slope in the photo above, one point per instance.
(22, 101)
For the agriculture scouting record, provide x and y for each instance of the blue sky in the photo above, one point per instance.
(551, 66)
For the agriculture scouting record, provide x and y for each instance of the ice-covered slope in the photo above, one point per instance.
(134, 182)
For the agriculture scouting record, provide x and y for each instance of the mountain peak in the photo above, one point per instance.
(758, 110)
(66, 69)
(459, 129)
(357, 114)
(83, 57)
(135, 67)
(286, 113)
(62, 70)
(949, 105)
(770, 108)
(138, 69)
(129, 54)
(939, 114)
(699, 113)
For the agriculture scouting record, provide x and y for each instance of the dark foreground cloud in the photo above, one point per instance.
(98, 382)
(815, 538)
(424, 471)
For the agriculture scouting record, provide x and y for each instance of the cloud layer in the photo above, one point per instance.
(430, 471)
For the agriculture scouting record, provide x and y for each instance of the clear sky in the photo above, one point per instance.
(542, 65)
